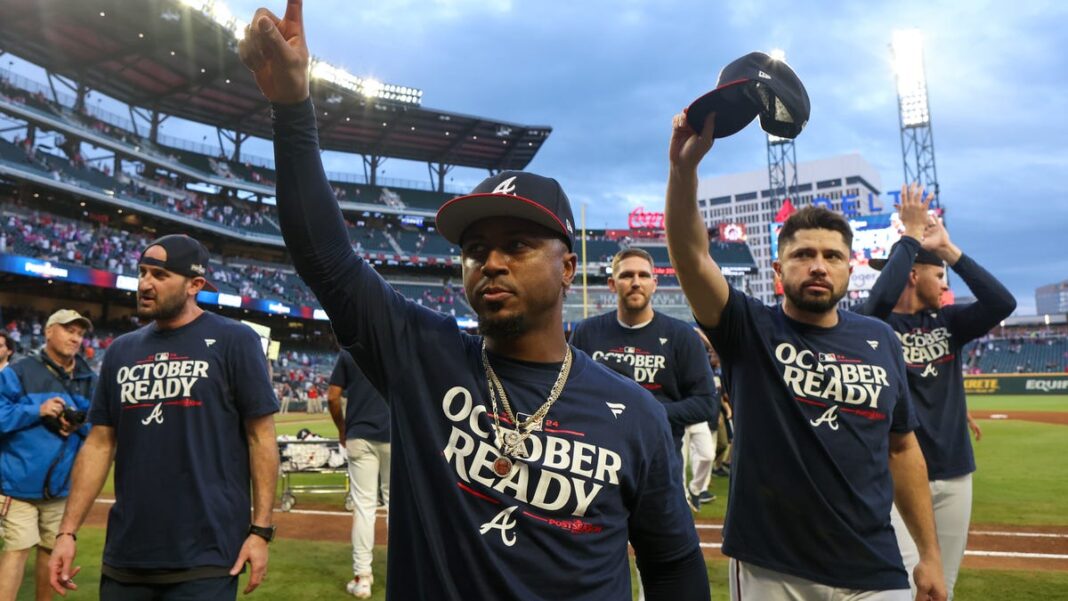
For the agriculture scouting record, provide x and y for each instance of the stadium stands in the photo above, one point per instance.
(1039, 353)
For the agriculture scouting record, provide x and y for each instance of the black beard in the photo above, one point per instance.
(503, 328)
(165, 309)
(812, 305)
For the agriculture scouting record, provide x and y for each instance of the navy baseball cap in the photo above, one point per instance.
(924, 257)
(185, 256)
(510, 194)
(755, 84)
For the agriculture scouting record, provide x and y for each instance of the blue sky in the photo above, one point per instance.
(608, 76)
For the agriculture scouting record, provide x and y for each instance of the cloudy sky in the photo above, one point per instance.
(608, 76)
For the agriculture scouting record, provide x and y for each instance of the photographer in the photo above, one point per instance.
(43, 400)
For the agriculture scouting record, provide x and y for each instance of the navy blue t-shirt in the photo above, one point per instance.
(178, 400)
(366, 413)
(932, 343)
(665, 356)
(810, 488)
(602, 469)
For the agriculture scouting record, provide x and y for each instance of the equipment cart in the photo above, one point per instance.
(311, 455)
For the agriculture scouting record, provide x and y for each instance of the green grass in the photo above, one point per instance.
(983, 585)
(301, 570)
(1009, 402)
(1022, 476)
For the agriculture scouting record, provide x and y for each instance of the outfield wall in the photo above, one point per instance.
(1024, 384)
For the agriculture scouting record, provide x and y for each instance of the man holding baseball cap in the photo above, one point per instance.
(43, 400)
(520, 468)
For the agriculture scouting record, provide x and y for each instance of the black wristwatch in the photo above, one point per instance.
(264, 532)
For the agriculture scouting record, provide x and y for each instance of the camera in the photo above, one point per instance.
(74, 417)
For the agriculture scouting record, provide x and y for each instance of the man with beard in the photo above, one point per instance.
(823, 421)
(520, 468)
(43, 399)
(661, 353)
(186, 409)
(908, 296)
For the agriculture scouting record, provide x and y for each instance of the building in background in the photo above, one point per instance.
(847, 184)
(1052, 299)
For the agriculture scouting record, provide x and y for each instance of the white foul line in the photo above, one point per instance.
(1015, 554)
(1023, 534)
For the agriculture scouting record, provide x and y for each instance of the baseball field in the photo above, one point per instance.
(1017, 550)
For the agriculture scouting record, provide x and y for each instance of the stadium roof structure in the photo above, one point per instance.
(179, 57)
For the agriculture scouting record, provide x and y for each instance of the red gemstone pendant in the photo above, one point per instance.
(502, 466)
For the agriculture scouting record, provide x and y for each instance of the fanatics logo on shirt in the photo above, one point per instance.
(617, 408)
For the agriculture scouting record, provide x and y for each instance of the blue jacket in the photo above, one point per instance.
(29, 450)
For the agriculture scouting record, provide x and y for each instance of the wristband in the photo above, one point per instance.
(70, 534)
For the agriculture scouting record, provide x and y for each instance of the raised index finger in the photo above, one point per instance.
(295, 12)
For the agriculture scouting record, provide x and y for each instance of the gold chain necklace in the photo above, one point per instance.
(510, 444)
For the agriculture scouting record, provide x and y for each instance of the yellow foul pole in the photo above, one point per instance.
(585, 289)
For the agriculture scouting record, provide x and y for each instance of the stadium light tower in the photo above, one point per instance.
(917, 140)
(782, 162)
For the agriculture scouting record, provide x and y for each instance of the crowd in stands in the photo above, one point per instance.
(45, 236)
(1042, 350)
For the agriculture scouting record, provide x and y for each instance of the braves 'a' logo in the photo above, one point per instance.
(829, 417)
(504, 522)
(506, 187)
(930, 370)
(155, 416)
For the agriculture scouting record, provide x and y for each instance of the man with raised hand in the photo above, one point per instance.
(185, 409)
(908, 296)
(520, 468)
(823, 422)
(661, 353)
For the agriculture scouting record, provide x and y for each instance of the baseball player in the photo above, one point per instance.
(520, 467)
(364, 432)
(821, 412)
(908, 296)
(657, 351)
(186, 409)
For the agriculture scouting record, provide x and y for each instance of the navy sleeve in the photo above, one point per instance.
(904, 417)
(370, 319)
(993, 303)
(100, 408)
(696, 382)
(684, 578)
(250, 380)
(892, 281)
(660, 527)
(340, 375)
(730, 334)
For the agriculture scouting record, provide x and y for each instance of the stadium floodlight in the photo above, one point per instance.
(911, 81)
(372, 88)
(220, 13)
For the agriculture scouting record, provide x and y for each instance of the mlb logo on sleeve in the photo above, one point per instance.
(828, 358)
